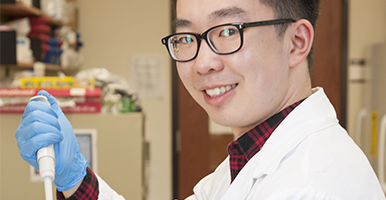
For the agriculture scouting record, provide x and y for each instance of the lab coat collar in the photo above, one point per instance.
(316, 112)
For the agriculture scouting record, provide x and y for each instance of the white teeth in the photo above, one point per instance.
(219, 90)
(223, 90)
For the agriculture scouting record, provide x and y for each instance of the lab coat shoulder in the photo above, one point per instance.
(335, 158)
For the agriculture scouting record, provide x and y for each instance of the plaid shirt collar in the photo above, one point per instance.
(245, 147)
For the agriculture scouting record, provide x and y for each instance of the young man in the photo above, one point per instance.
(249, 69)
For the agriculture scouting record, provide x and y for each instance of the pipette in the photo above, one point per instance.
(46, 160)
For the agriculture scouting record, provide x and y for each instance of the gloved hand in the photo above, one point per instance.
(42, 125)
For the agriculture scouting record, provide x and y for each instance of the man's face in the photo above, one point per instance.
(254, 81)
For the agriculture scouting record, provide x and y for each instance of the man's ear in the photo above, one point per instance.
(302, 39)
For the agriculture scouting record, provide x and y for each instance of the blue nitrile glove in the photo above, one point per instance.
(42, 125)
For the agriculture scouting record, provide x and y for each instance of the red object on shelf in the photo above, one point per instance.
(90, 103)
(42, 29)
(39, 29)
(12, 92)
(38, 20)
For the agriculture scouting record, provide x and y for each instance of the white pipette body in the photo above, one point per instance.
(46, 160)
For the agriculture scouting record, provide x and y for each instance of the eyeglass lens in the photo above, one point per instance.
(222, 40)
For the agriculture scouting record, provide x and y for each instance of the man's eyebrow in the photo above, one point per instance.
(180, 23)
(227, 12)
(218, 14)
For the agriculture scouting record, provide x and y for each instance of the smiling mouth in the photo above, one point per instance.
(215, 92)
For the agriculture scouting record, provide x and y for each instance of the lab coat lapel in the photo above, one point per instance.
(241, 186)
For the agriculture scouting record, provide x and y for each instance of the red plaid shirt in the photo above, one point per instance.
(245, 147)
(88, 190)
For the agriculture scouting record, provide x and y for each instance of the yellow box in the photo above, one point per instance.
(53, 82)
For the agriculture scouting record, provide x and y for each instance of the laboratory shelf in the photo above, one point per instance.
(48, 67)
(19, 9)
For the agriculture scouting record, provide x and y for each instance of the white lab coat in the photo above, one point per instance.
(308, 156)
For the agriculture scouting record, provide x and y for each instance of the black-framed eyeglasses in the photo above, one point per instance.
(223, 39)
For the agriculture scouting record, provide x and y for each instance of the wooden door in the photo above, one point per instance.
(195, 151)
(330, 67)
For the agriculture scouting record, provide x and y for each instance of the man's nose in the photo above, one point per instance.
(207, 60)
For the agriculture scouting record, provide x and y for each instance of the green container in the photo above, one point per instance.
(126, 105)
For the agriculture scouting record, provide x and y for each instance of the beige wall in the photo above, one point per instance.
(367, 25)
(112, 32)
